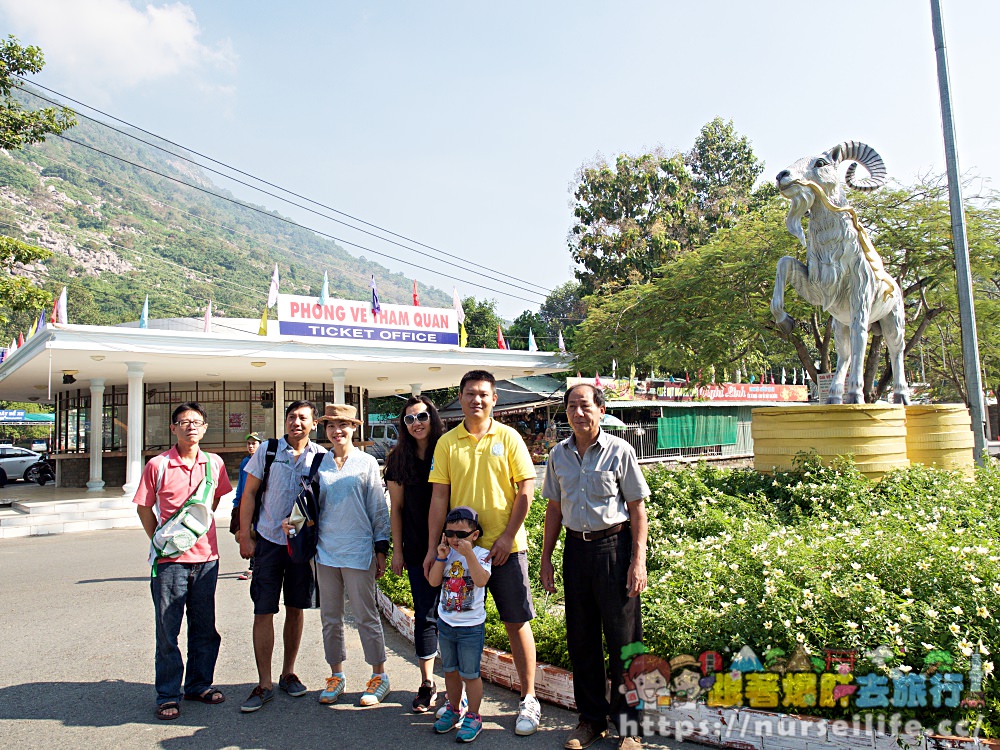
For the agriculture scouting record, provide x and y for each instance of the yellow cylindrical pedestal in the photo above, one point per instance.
(940, 435)
(875, 434)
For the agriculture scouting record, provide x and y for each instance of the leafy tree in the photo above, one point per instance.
(481, 321)
(563, 310)
(17, 293)
(629, 219)
(724, 170)
(517, 332)
(647, 209)
(20, 127)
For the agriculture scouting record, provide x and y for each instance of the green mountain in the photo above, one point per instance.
(119, 232)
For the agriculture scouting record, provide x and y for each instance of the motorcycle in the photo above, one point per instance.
(40, 472)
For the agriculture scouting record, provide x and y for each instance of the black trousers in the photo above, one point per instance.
(595, 578)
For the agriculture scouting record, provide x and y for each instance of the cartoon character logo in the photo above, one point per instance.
(646, 678)
(686, 683)
(454, 588)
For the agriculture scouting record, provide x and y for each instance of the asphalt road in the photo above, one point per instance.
(76, 665)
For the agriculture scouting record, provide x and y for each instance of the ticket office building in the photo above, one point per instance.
(129, 380)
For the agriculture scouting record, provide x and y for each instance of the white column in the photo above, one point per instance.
(136, 430)
(415, 389)
(279, 407)
(96, 483)
(339, 375)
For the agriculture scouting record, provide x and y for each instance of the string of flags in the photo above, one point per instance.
(58, 315)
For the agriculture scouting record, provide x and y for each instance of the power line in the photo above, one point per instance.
(160, 202)
(290, 221)
(543, 289)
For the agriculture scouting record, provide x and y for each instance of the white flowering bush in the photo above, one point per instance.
(825, 558)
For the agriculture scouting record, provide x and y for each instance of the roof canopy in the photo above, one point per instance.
(231, 353)
(517, 395)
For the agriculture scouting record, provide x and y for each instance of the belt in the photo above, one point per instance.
(592, 536)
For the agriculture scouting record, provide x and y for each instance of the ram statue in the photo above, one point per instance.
(843, 273)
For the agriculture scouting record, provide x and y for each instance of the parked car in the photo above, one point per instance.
(383, 437)
(39, 446)
(15, 462)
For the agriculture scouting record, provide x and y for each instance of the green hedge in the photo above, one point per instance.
(819, 556)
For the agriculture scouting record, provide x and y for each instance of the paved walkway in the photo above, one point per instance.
(76, 665)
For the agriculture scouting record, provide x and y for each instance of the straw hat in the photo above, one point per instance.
(340, 413)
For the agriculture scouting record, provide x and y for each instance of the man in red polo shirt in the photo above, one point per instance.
(186, 581)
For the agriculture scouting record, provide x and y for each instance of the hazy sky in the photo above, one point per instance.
(461, 124)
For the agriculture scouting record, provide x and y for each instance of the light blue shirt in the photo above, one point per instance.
(283, 484)
(353, 513)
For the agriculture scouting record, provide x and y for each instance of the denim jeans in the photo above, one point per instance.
(176, 587)
(461, 648)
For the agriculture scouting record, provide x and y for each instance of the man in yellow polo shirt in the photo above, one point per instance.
(486, 465)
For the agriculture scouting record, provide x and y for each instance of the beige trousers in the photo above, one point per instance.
(359, 585)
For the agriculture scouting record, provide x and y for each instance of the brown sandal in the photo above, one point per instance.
(161, 711)
(212, 696)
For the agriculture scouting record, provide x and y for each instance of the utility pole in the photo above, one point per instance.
(966, 308)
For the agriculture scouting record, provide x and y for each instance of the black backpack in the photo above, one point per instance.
(302, 544)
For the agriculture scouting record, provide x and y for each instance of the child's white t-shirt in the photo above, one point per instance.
(462, 602)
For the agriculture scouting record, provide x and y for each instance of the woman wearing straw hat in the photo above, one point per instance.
(353, 542)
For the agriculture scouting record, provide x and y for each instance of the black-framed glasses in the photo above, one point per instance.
(459, 533)
(185, 423)
(424, 416)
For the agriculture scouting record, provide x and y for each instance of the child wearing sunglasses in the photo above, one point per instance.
(462, 570)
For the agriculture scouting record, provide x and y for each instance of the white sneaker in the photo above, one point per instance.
(528, 714)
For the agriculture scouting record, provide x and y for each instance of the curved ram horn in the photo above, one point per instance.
(861, 153)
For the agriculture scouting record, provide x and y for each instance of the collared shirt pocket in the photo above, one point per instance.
(602, 484)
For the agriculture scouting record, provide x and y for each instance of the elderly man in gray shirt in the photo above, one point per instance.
(596, 489)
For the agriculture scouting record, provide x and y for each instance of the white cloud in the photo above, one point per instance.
(109, 44)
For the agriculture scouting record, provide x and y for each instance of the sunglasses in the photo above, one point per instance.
(457, 533)
(423, 416)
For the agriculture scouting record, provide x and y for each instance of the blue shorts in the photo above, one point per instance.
(461, 648)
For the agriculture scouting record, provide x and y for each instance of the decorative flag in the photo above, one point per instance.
(532, 346)
(20, 340)
(782, 375)
(578, 374)
(457, 304)
(34, 327)
(376, 307)
(208, 317)
(562, 344)
(262, 330)
(13, 346)
(416, 299)
(3, 355)
(41, 320)
(144, 318)
(772, 378)
(463, 337)
(272, 292)
(614, 368)
(324, 294)
(631, 380)
(794, 375)
(59, 311)
(687, 378)
(597, 380)
(501, 344)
